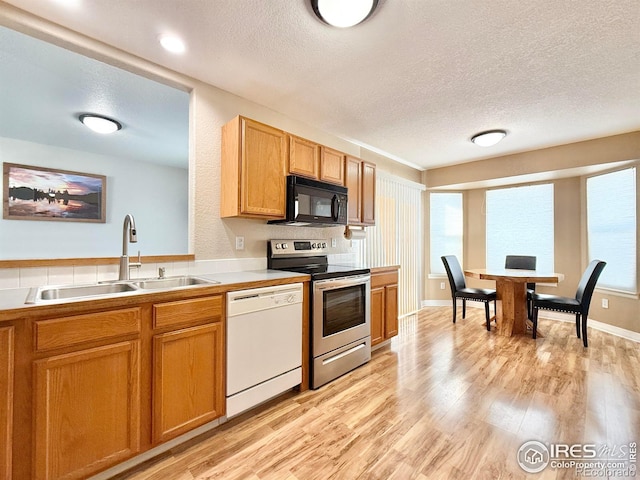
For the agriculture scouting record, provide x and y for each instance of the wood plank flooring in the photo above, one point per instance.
(442, 401)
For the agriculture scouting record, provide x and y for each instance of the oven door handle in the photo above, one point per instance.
(333, 283)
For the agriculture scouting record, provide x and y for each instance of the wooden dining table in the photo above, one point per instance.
(511, 293)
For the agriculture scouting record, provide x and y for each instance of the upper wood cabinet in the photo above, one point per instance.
(360, 179)
(6, 400)
(304, 157)
(368, 193)
(315, 161)
(253, 167)
(331, 165)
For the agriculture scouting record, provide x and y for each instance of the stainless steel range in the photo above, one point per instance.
(340, 307)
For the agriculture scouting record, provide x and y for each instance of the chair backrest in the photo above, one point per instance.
(454, 272)
(521, 262)
(588, 283)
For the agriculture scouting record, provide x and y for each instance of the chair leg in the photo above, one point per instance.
(454, 309)
(584, 330)
(464, 308)
(486, 312)
(535, 322)
(495, 311)
(578, 325)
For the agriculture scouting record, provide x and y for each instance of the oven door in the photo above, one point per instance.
(341, 312)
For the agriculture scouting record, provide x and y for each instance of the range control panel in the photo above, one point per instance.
(298, 247)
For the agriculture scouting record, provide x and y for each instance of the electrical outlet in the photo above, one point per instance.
(334, 242)
(605, 303)
(441, 285)
(239, 243)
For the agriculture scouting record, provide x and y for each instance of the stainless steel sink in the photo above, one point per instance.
(112, 288)
(38, 294)
(172, 282)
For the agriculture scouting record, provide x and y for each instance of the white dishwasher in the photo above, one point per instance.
(264, 344)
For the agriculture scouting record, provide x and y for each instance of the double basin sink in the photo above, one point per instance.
(113, 288)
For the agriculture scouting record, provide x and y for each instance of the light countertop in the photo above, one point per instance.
(14, 298)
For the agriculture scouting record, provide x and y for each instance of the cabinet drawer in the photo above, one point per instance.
(187, 311)
(384, 279)
(69, 331)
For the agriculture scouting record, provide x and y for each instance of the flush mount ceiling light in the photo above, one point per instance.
(171, 43)
(100, 124)
(343, 14)
(489, 138)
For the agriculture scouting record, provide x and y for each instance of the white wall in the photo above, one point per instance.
(157, 196)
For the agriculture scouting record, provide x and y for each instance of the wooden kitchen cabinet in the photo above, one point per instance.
(304, 157)
(384, 304)
(253, 168)
(331, 165)
(87, 410)
(315, 161)
(188, 373)
(360, 179)
(6, 400)
(86, 392)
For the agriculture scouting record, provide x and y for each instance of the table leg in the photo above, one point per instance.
(511, 307)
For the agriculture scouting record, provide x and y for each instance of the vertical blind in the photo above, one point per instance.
(611, 227)
(519, 221)
(445, 230)
(397, 236)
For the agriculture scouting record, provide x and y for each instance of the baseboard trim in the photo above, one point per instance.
(550, 315)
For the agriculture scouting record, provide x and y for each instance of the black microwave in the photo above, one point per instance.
(314, 203)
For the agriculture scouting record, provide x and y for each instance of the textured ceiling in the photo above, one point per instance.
(415, 81)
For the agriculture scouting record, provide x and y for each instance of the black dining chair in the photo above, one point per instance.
(578, 305)
(523, 262)
(459, 289)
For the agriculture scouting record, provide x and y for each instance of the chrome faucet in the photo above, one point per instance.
(130, 227)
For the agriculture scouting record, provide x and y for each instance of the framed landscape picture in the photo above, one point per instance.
(36, 193)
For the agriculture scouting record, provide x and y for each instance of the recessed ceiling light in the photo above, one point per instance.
(100, 124)
(343, 14)
(172, 44)
(489, 138)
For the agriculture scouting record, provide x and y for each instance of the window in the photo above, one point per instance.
(445, 228)
(520, 222)
(611, 227)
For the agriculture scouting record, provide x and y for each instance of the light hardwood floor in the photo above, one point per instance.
(442, 401)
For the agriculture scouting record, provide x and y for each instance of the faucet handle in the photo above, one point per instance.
(161, 272)
(137, 264)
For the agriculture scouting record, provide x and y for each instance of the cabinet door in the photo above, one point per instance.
(368, 193)
(391, 311)
(87, 410)
(352, 182)
(304, 157)
(264, 152)
(6, 400)
(332, 166)
(377, 315)
(188, 380)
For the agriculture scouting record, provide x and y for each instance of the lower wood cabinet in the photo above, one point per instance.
(188, 389)
(87, 410)
(6, 400)
(384, 304)
(83, 392)
(188, 365)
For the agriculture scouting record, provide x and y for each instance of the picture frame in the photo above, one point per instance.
(42, 193)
